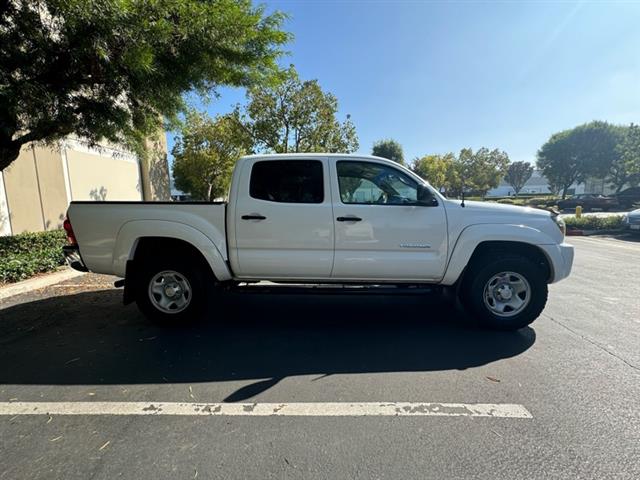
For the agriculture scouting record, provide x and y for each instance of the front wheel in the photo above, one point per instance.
(171, 293)
(505, 293)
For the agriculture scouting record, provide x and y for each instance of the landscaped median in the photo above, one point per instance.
(589, 224)
(27, 254)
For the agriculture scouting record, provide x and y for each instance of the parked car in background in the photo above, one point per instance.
(632, 221)
(589, 201)
(627, 198)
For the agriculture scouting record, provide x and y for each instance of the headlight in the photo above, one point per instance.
(560, 223)
(626, 219)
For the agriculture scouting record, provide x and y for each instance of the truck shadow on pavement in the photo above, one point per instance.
(90, 338)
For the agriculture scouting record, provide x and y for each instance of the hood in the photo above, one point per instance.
(487, 208)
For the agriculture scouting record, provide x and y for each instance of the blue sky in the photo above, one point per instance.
(441, 76)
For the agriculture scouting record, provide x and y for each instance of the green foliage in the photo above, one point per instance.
(438, 170)
(592, 222)
(26, 254)
(573, 155)
(625, 168)
(389, 149)
(476, 172)
(518, 174)
(297, 116)
(111, 69)
(480, 171)
(205, 153)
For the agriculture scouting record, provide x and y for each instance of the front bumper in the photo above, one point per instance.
(561, 259)
(73, 258)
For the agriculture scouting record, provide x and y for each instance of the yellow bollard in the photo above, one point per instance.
(578, 211)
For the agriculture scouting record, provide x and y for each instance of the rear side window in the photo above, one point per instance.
(287, 181)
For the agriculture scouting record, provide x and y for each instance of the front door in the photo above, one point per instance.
(284, 220)
(382, 231)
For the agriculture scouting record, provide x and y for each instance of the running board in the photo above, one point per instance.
(336, 289)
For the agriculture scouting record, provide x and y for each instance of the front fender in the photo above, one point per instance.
(474, 235)
(132, 231)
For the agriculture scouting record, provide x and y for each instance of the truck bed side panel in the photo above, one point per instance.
(97, 226)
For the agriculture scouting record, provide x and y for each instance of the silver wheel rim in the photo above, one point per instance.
(170, 292)
(506, 294)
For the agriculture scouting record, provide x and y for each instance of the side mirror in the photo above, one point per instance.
(425, 197)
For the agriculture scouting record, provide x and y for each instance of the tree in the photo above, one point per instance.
(388, 149)
(205, 153)
(436, 169)
(573, 155)
(480, 171)
(113, 69)
(477, 171)
(518, 173)
(625, 169)
(297, 116)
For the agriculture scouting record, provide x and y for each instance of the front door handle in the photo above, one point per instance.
(349, 219)
(253, 217)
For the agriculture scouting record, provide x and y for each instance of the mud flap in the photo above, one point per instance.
(130, 284)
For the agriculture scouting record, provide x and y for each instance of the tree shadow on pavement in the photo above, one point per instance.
(91, 338)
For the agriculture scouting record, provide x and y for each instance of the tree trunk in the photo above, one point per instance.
(564, 191)
(8, 153)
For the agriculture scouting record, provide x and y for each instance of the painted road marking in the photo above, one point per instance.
(341, 409)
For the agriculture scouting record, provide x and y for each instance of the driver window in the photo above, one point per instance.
(374, 183)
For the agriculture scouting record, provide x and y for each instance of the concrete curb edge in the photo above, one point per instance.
(36, 283)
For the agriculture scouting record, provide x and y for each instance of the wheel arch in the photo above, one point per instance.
(139, 235)
(474, 243)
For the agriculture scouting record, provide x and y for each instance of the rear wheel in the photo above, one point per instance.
(171, 293)
(505, 293)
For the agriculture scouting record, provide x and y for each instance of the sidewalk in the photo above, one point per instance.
(38, 282)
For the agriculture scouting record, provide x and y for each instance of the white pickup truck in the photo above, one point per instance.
(320, 219)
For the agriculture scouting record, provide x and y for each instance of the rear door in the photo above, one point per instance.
(382, 232)
(284, 221)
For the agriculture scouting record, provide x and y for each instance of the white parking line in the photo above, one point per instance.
(332, 409)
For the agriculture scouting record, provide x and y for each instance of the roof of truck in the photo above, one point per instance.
(314, 155)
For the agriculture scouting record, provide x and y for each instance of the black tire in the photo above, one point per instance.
(482, 270)
(187, 270)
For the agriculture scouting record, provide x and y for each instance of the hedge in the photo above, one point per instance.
(26, 254)
(592, 222)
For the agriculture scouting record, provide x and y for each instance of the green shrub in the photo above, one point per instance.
(591, 222)
(26, 254)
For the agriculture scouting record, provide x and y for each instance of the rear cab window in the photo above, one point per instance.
(287, 181)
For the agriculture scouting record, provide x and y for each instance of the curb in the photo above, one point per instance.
(589, 233)
(38, 282)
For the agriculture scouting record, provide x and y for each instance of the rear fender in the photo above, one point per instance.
(131, 232)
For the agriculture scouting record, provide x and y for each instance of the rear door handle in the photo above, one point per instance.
(349, 219)
(253, 217)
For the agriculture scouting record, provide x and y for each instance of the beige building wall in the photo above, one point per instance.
(5, 224)
(95, 177)
(23, 193)
(53, 195)
(155, 170)
(35, 190)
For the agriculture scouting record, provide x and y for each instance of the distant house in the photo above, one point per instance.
(537, 184)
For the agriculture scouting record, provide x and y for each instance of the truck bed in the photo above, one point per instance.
(104, 230)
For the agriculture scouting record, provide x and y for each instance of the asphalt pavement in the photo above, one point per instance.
(575, 372)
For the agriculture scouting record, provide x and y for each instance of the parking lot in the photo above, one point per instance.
(393, 386)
